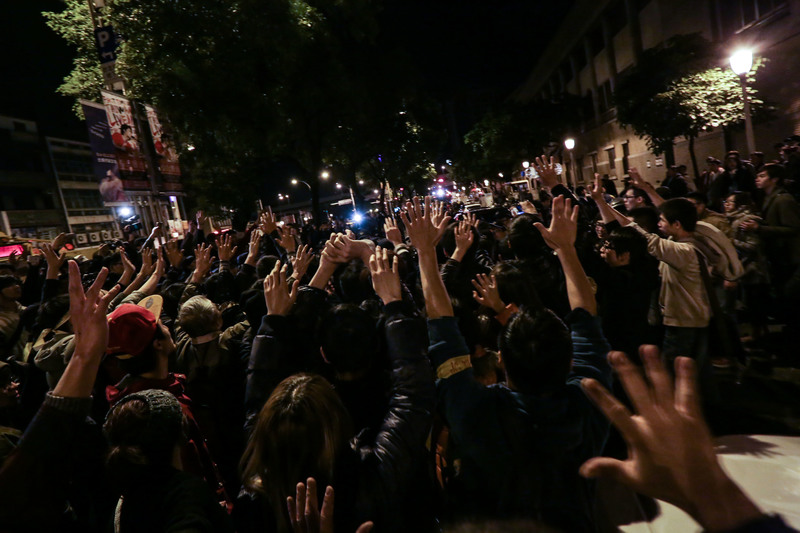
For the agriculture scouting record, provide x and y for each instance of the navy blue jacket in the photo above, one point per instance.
(520, 453)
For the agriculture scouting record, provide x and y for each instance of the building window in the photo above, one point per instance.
(579, 169)
(605, 96)
(596, 41)
(611, 153)
(617, 18)
(626, 153)
(594, 162)
(735, 15)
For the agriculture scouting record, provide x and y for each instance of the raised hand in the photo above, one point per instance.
(277, 294)
(637, 179)
(439, 218)
(54, 260)
(563, 225)
(487, 294)
(353, 249)
(682, 469)
(174, 253)
(423, 234)
(597, 190)
(470, 219)
(266, 222)
(464, 238)
(201, 218)
(128, 270)
(202, 263)
(528, 207)
(333, 254)
(88, 312)
(547, 171)
(225, 248)
(385, 277)
(252, 247)
(392, 231)
(305, 514)
(301, 261)
(60, 241)
(286, 238)
(147, 263)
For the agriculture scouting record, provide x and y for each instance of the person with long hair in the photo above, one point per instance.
(303, 430)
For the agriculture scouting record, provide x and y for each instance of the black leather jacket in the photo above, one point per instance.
(382, 478)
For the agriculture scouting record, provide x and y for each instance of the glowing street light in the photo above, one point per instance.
(325, 174)
(499, 174)
(741, 63)
(526, 164)
(361, 182)
(295, 181)
(569, 144)
(338, 185)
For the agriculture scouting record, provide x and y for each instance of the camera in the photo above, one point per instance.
(132, 223)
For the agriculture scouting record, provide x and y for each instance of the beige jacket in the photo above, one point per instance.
(683, 298)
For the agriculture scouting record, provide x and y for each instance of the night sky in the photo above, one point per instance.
(469, 52)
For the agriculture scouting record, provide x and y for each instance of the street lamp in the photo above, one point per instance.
(338, 185)
(569, 144)
(499, 174)
(295, 181)
(325, 174)
(741, 63)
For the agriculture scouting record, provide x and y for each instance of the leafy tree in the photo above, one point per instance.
(514, 132)
(247, 83)
(74, 25)
(679, 90)
(712, 98)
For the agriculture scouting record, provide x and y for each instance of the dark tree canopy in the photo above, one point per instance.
(246, 83)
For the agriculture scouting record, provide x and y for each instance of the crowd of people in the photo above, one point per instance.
(443, 372)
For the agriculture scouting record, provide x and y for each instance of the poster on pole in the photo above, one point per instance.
(131, 160)
(165, 149)
(104, 158)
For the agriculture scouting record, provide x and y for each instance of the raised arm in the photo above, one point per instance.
(608, 213)
(88, 316)
(561, 238)
(682, 470)
(423, 235)
(639, 183)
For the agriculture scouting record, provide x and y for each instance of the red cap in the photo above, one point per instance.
(131, 329)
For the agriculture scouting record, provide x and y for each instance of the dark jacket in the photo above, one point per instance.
(780, 230)
(377, 477)
(520, 453)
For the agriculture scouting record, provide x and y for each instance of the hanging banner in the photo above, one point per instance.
(130, 158)
(166, 151)
(104, 158)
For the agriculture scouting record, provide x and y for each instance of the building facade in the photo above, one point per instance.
(86, 216)
(600, 39)
(30, 206)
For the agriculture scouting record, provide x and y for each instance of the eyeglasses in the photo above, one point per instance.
(626, 197)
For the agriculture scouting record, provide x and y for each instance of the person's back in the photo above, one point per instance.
(520, 444)
(144, 430)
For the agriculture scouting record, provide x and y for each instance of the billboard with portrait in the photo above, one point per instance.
(125, 137)
(104, 158)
